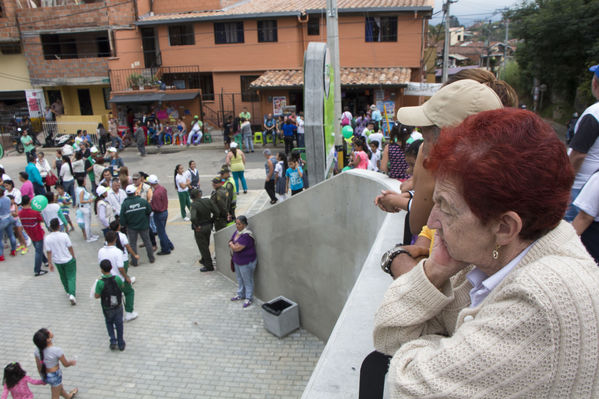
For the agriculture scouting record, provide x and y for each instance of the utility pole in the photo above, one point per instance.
(333, 45)
(507, 30)
(446, 45)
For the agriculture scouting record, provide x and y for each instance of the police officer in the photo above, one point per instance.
(221, 199)
(203, 212)
(229, 185)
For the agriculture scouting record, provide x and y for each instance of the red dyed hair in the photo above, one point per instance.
(507, 160)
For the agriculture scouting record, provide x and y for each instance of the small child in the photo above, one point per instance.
(375, 158)
(15, 381)
(280, 181)
(65, 202)
(294, 176)
(411, 154)
(109, 289)
(18, 227)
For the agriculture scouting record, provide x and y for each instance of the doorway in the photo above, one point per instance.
(358, 100)
(150, 48)
(85, 102)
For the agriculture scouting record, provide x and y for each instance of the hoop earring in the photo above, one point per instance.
(495, 252)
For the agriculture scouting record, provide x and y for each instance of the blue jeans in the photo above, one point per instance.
(273, 133)
(300, 140)
(69, 187)
(39, 256)
(240, 176)
(54, 379)
(245, 279)
(114, 320)
(572, 211)
(6, 227)
(160, 219)
(117, 142)
(248, 142)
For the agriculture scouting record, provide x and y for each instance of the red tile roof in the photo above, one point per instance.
(390, 76)
(249, 8)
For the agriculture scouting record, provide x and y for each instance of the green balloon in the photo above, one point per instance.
(346, 168)
(347, 131)
(39, 202)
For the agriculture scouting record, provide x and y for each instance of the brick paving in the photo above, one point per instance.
(189, 341)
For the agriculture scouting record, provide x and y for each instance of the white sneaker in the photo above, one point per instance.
(92, 239)
(130, 316)
(73, 300)
(95, 236)
(132, 280)
(29, 242)
(186, 219)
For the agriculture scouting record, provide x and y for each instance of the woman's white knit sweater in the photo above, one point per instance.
(535, 336)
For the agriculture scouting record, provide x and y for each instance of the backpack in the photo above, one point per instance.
(111, 295)
(345, 120)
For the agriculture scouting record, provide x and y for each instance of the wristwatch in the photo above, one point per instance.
(390, 255)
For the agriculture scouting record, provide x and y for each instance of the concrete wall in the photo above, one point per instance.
(16, 76)
(311, 248)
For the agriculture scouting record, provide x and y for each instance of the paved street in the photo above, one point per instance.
(189, 341)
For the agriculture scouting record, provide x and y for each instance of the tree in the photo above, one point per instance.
(454, 22)
(558, 42)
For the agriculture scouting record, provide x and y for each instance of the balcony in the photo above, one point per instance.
(162, 78)
(55, 3)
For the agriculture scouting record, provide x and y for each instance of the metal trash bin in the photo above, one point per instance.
(281, 316)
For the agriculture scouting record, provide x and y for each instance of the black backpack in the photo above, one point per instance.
(111, 295)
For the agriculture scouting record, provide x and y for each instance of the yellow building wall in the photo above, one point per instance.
(15, 75)
(70, 99)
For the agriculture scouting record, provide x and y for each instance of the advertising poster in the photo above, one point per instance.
(329, 114)
(35, 102)
(277, 105)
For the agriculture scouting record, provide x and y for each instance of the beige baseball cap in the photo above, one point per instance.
(451, 105)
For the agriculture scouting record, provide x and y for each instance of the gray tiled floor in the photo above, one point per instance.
(189, 341)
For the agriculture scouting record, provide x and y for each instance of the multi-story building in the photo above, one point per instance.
(250, 54)
(67, 45)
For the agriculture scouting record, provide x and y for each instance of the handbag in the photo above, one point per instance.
(51, 179)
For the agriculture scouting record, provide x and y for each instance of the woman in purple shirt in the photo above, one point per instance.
(243, 247)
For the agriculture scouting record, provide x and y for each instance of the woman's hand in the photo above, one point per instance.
(440, 266)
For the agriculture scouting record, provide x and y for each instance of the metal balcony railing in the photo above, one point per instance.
(163, 78)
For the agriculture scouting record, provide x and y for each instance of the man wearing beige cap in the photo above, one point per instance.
(448, 107)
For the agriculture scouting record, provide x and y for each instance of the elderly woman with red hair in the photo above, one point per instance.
(506, 304)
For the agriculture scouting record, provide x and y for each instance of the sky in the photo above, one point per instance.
(469, 11)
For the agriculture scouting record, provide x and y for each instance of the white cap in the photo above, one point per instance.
(67, 150)
(233, 145)
(93, 150)
(152, 179)
(130, 189)
(111, 149)
(101, 190)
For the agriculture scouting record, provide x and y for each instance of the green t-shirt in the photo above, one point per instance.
(245, 115)
(27, 143)
(100, 283)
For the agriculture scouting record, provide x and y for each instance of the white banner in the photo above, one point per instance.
(35, 102)
(421, 89)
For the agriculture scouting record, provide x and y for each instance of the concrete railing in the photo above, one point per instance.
(322, 249)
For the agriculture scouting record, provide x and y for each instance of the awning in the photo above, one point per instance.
(179, 96)
(136, 98)
(291, 78)
(152, 97)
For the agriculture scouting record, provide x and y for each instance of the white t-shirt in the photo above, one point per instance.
(588, 199)
(279, 169)
(15, 192)
(58, 243)
(300, 125)
(115, 256)
(181, 179)
(116, 200)
(124, 243)
(50, 212)
(78, 166)
(65, 172)
(373, 161)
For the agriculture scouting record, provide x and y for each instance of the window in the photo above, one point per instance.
(313, 25)
(228, 32)
(106, 95)
(85, 102)
(267, 31)
(247, 94)
(181, 35)
(381, 29)
(10, 48)
(76, 45)
(207, 86)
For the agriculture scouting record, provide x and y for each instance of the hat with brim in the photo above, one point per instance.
(216, 180)
(130, 189)
(451, 105)
(112, 149)
(595, 70)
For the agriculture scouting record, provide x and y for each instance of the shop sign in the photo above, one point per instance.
(35, 102)
(278, 103)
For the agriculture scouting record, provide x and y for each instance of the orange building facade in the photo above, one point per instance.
(217, 58)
